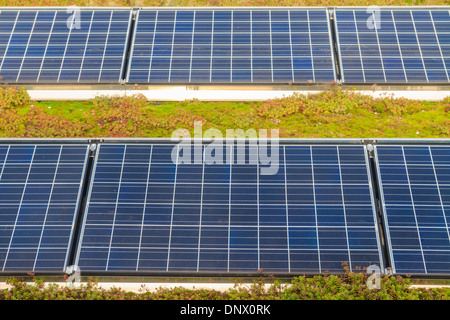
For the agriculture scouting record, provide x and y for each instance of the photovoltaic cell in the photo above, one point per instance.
(224, 45)
(415, 192)
(393, 45)
(40, 189)
(152, 208)
(63, 46)
(231, 46)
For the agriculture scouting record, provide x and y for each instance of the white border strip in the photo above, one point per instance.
(184, 93)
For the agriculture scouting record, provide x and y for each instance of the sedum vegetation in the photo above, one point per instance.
(348, 286)
(333, 113)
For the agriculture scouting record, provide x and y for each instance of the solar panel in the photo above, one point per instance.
(242, 45)
(148, 213)
(415, 193)
(63, 46)
(231, 46)
(40, 188)
(393, 45)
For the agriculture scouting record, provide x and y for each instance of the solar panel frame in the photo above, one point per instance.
(392, 74)
(408, 263)
(195, 75)
(61, 169)
(238, 231)
(55, 54)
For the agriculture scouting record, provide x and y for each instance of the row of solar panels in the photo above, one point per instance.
(175, 208)
(241, 45)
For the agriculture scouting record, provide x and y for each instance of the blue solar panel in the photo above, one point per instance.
(393, 45)
(415, 193)
(231, 46)
(293, 45)
(148, 213)
(57, 46)
(40, 189)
